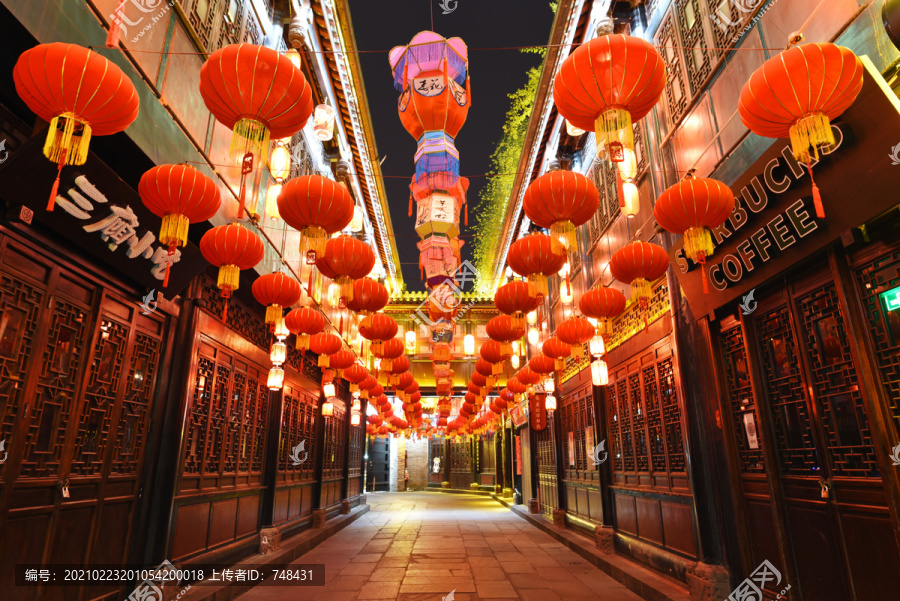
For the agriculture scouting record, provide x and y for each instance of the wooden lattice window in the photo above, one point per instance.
(335, 427)
(742, 401)
(578, 417)
(298, 425)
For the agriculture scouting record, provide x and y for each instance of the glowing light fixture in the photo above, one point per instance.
(573, 131)
(532, 317)
(411, 341)
(294, 57)
(328, 390)
(469, 344)
(356, 405)
(533, 336)
(278, 353)
(628, 167)
(272, 201)
(632, 200)
(280, 162)
(327, 409)
(599, 373)
(549, 384)
(550, 402)
(514, 360)
(516, 347)
(323, 122)
(276, 378)
(566, 294)
(356, 224)
(354, 419)
(281, 331)
(598, 347)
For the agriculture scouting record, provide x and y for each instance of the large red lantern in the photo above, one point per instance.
(317, 207)
(542, 364)
(389, 351)
(575, 331)
(325, 344)
(533, 257)
(356, 374)
(504, 329)
(561, 201)
(602, 304)
(276, 291)
(516, 386)
(692, 207)
(608, 83)
(181, 195)
(378, 328)
(346, 259)
(516, 299)
(797, 94)
(527, 376)
(403, 380)
(304, 322)
(80, 93)
(492, 352)
(258, 93)
(231, 248)
(485, 368)
(557, 350)
(341, 360)
(639, 264)
(369, 296)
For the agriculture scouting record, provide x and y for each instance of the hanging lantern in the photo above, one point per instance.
(514, 361)
(573, 131)
(324, 344)
(492, 352)
(256, 92)
(639, 264)
(275, 380)
(378, 328)
(280, 162)
(317, 207)
(340, 361)
(328, 390)
(597, 346)
(303, 323)
(599, 373)
(181, 195)
(411, 342)
(541, 364)
(608, 83)
(557, 350)
(549, 385)
(345, 259)
(323, 123)
(281, 331)
(532, 257)
(516, 299)
(631, 200)
(561, 201)
(797, 94)
(602, 304)
(575, 331)
(278, 353)
(369, 297)
(354, 419)
(327, 409)
(532, 317)
(231, 248)
(355, 374)
(566, 295)
(276, 291)
(80, 93)
(389, 351)
(692, 207)
(550, 402)
(272, 201)
(469, 345)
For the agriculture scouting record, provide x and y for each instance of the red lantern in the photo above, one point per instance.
(341, 360)
(346, 259)
(542, 364)
(691, 207)
(639, 264)
(304, 322)
(404, 380)
(231, 248)
(379, 328)
(506, 397)
(356, 374)
(472, 388)
(533, 257)
(256, 92)
(504, 329)
(479, 380)
(324, 344)
(390, 350)
(516, 386)
(80, 93)
(602, 304)
(527, 376)
(492, 352)
(485, 368)
(557, 350)
(797, 94)
(561, 201)
(575, 331)
(516, 299)
(276, 291)
(369, 296)
(608, 83)
(317, 207)
(181, 195)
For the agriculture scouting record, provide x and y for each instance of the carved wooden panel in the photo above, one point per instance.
(742, 401)
(577, 415)
(335, 428)
(677, 93)
(297, 462)
(697, 48)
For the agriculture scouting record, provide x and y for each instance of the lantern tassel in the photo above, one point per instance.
(225, 311)
(703, 275)
(112, 38)
(467, 215)
(409, 212)
(620, 189)
(55, 189)
(817, 196)
(169, 265)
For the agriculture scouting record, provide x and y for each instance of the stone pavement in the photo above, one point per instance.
(422, 546)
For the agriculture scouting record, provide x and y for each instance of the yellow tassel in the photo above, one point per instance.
(615, 126)
(273, 314)
(559, 364)
(506, 349)
(312, 241)
(577, 351)
(346, 287)
(303, 342)
(698, 243)
(323, 360)
(229, 277)
(68, 133)
(811, 131)
(640, 290)
(364, 394)
(249, 135)
(539, 283)
(354, 387)
(604, 326)
(564, 239)
(174, 230)
(497, 368)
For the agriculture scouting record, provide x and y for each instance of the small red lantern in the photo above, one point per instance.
(276, 291)
(561, 201)
(533, 257)
(492, 352)
(346, 259)
(356, 374)
(516, 386)
(390, 350)
(602, 304)
(640, 264)
(369, 296)
(504, 329)
(575, 331)
(317, 207)
(325, 344)
(378, 328)
(303, 323)
(231, 248)
(557, 350)
(542, 364)
(516, 299)
(341, 360)
(527, 376)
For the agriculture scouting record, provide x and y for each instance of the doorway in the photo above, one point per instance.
(378, 468)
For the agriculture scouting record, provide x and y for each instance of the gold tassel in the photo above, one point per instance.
(640, 290)
(249, 135)
(559, 364)
(812, 131)
(229, 278)
(506, 349)
(174, 230)
(323, 360)
(346, 287)
(698, 244)
(604, 326)
(70, 135)
(312, 243)
(539, 283)
(614, 125)
(497, 368)
(564, 239)
(303, 343)
(273, 314)
(577, 351)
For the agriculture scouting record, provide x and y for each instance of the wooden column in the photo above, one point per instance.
(320, 452)
(270, 461)
(606, 496)
(345, 469)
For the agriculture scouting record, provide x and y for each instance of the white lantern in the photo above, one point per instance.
(354, 420)
(280, 162)
(328, 390)
(276, 378)
(632, 200)
(598, 347)
(599, 373)
(628, 168)
(575, 132)
(281, 331)
(533, 336)
(411, 341)
(327, 409)
(550, 402)
(323, 122)
(294, 56)
(469, 345)
(549, 384)
(278, 353)
(272, 201)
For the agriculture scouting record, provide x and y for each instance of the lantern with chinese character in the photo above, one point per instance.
(346, 259)
(608, 83)
(533, 257)
(602, 304)
(691, 207)
(325, 344)
(557, 350)
(231, 248)
(276, 291)
(317, 207)
(80, 93)
(797, 94)
(640, 264)
(439, 259)
(561, 201)
(303, 323)
(378, 328)
(256, 92)
(516, 299)
(323, 122)
(181, 195)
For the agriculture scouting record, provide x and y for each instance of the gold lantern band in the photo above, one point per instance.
(563, 238)
(174, 231)
(229, 278)
(70, 135)
(698, 244)
(614, 125)
(249, 135)
(811, 131)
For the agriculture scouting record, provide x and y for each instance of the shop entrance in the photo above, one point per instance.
(378, 467)
(800, 420)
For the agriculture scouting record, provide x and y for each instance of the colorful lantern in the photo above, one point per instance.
(231, 248)
(317, 207)
(346, 259)
(276, 291)
(533, 257)
(797, 94)
(639, 264)
(691, 207)
(257, 93)
(80, 93)
(325, 344)
(575, 331)
(561, 201)
(439, 259)
(602, 304)
(608, 83)
(181, 195)
(303, 323)
(516, 299)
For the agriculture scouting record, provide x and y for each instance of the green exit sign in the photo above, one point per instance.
(891, 299)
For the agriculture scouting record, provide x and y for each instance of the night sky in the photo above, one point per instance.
(482, 24)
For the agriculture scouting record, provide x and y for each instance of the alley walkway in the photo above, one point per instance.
(422, 546)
